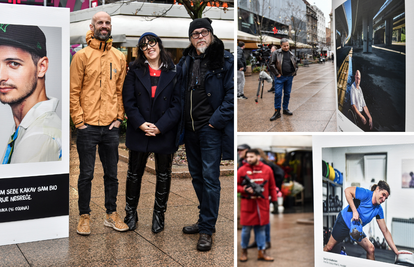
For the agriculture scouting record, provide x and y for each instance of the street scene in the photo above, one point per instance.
(303, 96)
(379, 61)
(312, 102)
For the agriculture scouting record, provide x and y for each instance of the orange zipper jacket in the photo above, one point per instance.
(97, 75)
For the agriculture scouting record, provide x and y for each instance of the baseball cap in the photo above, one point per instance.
(30, 38)
(243, 147)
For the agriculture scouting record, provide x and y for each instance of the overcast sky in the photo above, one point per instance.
(325, 6)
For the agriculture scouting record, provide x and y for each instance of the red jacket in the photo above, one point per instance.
(255, 211)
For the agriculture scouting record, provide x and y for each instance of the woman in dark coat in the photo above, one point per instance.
(152, 104)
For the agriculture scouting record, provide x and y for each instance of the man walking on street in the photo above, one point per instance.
(97, 75)
(284, 68)
(208, 101)
(241, 68)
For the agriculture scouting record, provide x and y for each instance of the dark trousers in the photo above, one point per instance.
(203, 149)
(107, 142)
(364, 127)
(136, 167)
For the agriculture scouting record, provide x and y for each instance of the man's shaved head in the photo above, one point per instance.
(97, 15)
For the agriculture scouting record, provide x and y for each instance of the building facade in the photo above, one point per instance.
(311, 26)
(275, 18)
(321, 26)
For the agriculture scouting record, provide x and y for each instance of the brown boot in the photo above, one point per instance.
(263, 257)
(243, 256)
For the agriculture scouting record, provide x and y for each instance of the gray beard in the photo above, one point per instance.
(202, 50)
(102, 37)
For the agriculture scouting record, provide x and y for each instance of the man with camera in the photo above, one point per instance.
(241, 68)
(284, 68)
(255, 210)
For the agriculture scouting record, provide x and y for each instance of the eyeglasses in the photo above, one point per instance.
(196, 35)
(151, 43)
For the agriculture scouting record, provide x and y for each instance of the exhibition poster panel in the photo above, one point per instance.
(372, 62)
(34, 137)
(359, 164)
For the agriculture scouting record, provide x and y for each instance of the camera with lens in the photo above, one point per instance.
(262, 54)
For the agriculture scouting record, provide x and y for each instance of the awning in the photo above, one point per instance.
(246, 37)
(126, 30)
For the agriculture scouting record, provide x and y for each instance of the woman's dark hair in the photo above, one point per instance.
(165, 59)
(382, 186)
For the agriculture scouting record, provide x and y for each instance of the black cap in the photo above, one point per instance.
(200, 23)
(30, 38)
(243, 147)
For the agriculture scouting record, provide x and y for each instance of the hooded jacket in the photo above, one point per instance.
(219, 86)
(253, 210)
(97, 74)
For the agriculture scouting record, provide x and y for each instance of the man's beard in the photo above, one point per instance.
(21, 98)
(253, 163)
(97, 34)
(202, 49)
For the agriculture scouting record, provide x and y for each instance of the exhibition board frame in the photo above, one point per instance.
(344, 142)
(45, 185)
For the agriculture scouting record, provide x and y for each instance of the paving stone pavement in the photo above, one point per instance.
(106, 247)
(312, 102)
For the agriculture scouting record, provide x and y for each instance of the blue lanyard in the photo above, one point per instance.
(10, 146)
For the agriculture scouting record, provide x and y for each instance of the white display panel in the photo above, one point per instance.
(386, 82)
(335, 149)
(54, 22)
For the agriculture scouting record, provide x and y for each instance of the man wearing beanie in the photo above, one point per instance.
(207, 98)
(241, 68)
(97, 75)
(37, 131)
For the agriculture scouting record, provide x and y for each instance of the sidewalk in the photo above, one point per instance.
(291, 242)
(312, 102)
(106, 247)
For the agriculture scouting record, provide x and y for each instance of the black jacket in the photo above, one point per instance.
(164, 110)
(219, 86)
(276, 62)
(241, 61)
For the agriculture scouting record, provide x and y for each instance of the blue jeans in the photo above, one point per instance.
(268, 232)
(284, 84)
(86, 142)
(259, 235)
(203, 149)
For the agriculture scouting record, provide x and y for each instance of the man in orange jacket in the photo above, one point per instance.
(97, 75)
(255, 211)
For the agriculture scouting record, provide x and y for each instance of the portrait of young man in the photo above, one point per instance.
(36, 133)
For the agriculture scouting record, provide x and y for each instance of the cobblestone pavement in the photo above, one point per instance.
(312, 102)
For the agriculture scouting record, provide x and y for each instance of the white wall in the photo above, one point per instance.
(397, 204)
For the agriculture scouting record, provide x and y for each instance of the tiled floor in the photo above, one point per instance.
(106, 247)
(291, 243)
(312, 102)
